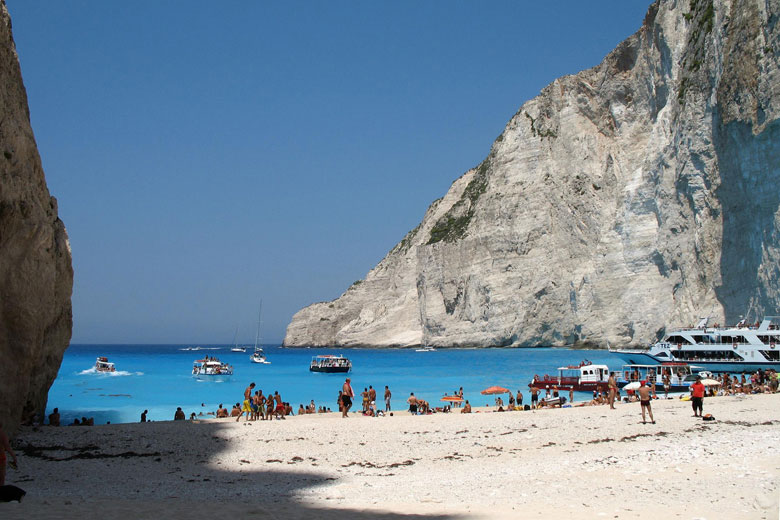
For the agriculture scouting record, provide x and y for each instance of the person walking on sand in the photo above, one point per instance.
(612, 385)
(388, 395)
(697, 397)
(5, 446)
(644, 401)
(346, 397)
(245, 406)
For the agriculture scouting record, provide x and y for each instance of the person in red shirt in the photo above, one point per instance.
(697, 397)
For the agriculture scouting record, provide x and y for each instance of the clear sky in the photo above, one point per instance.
(206, 155)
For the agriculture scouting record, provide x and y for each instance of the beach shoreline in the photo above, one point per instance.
(583, 462)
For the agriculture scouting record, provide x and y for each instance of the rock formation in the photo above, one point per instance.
(36, 277)
(634, 195)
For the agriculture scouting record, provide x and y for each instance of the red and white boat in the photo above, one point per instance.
(584, 377)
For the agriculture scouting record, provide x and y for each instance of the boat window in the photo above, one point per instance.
(662, 354)
(677, 339)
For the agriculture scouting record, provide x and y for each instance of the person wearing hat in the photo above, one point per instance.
(697, 397)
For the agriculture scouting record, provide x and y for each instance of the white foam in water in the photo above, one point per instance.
(92, 371)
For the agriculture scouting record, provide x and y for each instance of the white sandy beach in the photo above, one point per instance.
(586, 462)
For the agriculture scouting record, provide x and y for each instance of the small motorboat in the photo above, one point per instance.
(102, 365)
(258, 356)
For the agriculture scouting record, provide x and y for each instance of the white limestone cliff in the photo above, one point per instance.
(637, 194)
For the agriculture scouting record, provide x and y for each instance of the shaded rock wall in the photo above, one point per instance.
(639, 194)
(36, 277)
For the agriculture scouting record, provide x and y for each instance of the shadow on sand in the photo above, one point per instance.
(148, 475)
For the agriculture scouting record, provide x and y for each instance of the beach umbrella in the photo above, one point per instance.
(632, 386)
(495, 390)
(452, 399)
(710, 382)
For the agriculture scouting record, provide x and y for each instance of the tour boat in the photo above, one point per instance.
(738, 348)
(330, 364)
(102, 365)
(238, 349)
(680, 375)
(211, 367)
(584, 377)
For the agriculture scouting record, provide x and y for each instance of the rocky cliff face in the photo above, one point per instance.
(36, 277)
(638, 194)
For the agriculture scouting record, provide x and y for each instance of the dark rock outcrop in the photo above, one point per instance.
(36, 277)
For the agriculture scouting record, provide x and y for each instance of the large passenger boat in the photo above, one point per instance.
(739, 348)
(330, 364)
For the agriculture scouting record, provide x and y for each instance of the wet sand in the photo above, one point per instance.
(588, 462)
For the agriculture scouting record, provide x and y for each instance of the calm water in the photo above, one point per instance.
(159, 377)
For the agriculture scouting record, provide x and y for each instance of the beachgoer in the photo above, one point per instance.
(54, 417)
(534, 397)
(143, 415)
(221, 412)
(612, 385)
(346, 397)
(371, 396)
(280, 410)
(364, 395)
(301, 410)
(466, 408)
(178, 416)
(246, 405)
(519, 399)
(412, 404)
(697, 397)
(5, 447)
(667, 386)
(388, 395)
(571, 395)
(644, 401)
(235, 411)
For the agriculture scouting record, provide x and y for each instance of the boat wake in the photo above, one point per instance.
(118, 373)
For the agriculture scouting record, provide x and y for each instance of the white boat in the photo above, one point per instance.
(258, 356)
(330, 364)
(425, 349)
(738, 348)
(680, 375)
(238, 349)
(102, 365)
(211, 367)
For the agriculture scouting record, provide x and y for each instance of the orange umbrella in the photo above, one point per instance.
(452, 399)
(494, 390)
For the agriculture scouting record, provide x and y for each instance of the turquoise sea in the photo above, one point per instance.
(159, 377)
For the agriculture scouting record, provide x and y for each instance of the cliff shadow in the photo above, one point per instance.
(172, 470)
(750, 198)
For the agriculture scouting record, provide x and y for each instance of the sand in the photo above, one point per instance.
(588, 462)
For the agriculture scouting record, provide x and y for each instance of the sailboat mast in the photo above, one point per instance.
(259, 315)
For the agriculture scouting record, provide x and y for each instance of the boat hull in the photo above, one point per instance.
(733, 367)
(330, 370)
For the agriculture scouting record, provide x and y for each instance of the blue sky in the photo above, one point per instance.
(206, 155)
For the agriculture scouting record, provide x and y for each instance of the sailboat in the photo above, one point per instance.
(258, 356)
(236, 348)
